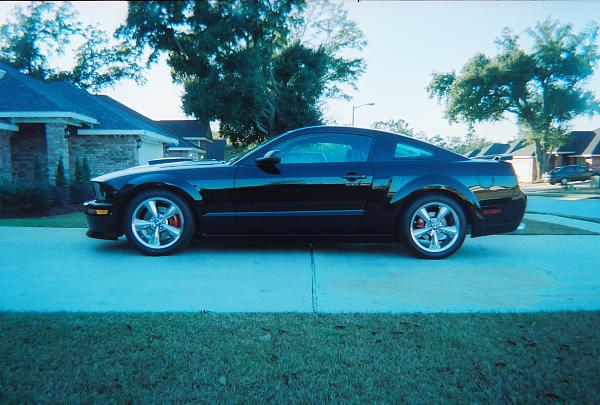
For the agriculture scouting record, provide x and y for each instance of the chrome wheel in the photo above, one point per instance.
(157, 223)
(435, 227)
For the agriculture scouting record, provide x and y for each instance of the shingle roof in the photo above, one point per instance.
(187, 128)
(577, 142)
(473, 153)
(593, 147)
(527, 150)
(21, 93)
(516, 145)
(494, 149)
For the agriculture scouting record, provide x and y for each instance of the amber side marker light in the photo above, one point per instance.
(97, 212)
(492, 211)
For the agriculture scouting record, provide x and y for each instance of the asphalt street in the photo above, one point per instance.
(53, 269)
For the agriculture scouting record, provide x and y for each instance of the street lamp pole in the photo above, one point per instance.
(356, 107)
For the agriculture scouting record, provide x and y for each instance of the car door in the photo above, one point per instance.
(321, 186)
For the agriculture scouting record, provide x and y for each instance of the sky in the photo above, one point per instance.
(407, 42)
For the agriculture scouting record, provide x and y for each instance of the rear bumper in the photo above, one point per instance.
(488, 221)
(102, 219)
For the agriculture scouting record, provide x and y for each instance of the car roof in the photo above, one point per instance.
(375, 133)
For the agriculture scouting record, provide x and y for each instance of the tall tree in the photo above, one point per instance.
(242, 64)
(44, 30)
(544, 87)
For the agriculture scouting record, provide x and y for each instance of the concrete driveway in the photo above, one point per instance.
(52, 269)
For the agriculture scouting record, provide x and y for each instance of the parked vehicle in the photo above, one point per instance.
(566, 174)
(313, 181)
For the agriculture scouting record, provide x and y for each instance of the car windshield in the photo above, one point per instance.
(243, 155)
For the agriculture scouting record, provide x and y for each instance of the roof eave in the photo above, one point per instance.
(8, 127)
(48, 116)
(142, 133)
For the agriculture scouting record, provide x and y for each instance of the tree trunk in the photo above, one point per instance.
(541, 158)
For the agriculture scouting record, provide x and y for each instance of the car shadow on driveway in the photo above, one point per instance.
(270, 244)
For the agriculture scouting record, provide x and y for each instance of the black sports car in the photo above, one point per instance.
(312, 181)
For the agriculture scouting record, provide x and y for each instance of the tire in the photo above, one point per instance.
(564, 181)
(450, 230)
(149, 229)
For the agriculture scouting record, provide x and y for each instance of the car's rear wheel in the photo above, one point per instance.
(158, 222)
(433, 226)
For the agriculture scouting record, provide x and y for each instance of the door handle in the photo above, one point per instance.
(353, 176)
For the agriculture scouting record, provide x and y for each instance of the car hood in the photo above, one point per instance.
(160, 167)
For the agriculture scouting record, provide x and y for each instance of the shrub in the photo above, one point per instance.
(61, 178)
(24, 197)
(81, 192)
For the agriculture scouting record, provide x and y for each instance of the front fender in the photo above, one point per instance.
(162, 179)
(434, 182)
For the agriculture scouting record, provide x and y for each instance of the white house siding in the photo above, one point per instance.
(150, 150)
(524, 168)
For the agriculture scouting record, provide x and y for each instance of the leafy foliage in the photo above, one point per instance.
(244, 64)
(544, 88)
(24, 197)
(45, 30)
(82, 170)
(61, 178)
(454, 143)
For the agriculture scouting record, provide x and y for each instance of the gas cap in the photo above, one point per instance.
(486, 181)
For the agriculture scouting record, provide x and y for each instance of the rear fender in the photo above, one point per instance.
(433, 183)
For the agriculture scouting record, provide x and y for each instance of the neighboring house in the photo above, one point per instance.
(582, 148)
(48, 121)
(197, 135)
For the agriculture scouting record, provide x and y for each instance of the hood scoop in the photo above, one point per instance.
(168, 160)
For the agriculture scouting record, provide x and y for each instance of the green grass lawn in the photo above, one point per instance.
(205, 357)
(72, 220)
(546, 228)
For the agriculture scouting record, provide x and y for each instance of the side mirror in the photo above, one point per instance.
(272, 157)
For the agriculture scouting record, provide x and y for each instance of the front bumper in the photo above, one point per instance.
(102, 219)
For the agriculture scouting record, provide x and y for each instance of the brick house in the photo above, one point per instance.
(46, 121)
(582, 148)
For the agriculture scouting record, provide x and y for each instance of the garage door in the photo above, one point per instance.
(523, 169)
(149, 151)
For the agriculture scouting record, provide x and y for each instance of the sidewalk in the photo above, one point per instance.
(558, 220)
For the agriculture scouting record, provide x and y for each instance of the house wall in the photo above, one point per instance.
(105, 153)
(5, 160)
(593, 162)
(57, 146)
(25, 146)
(182, 154)
(524, 168)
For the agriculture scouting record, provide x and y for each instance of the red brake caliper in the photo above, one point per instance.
(420, 223)
(174, 221)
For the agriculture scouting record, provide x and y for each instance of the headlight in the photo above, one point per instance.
(99, 194)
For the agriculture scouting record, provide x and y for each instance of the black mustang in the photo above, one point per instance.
(312, 181)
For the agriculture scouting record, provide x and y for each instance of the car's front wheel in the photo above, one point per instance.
(433, 226)
(158, 222)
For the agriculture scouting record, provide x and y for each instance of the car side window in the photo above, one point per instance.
(408, 151)
(325, 148)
